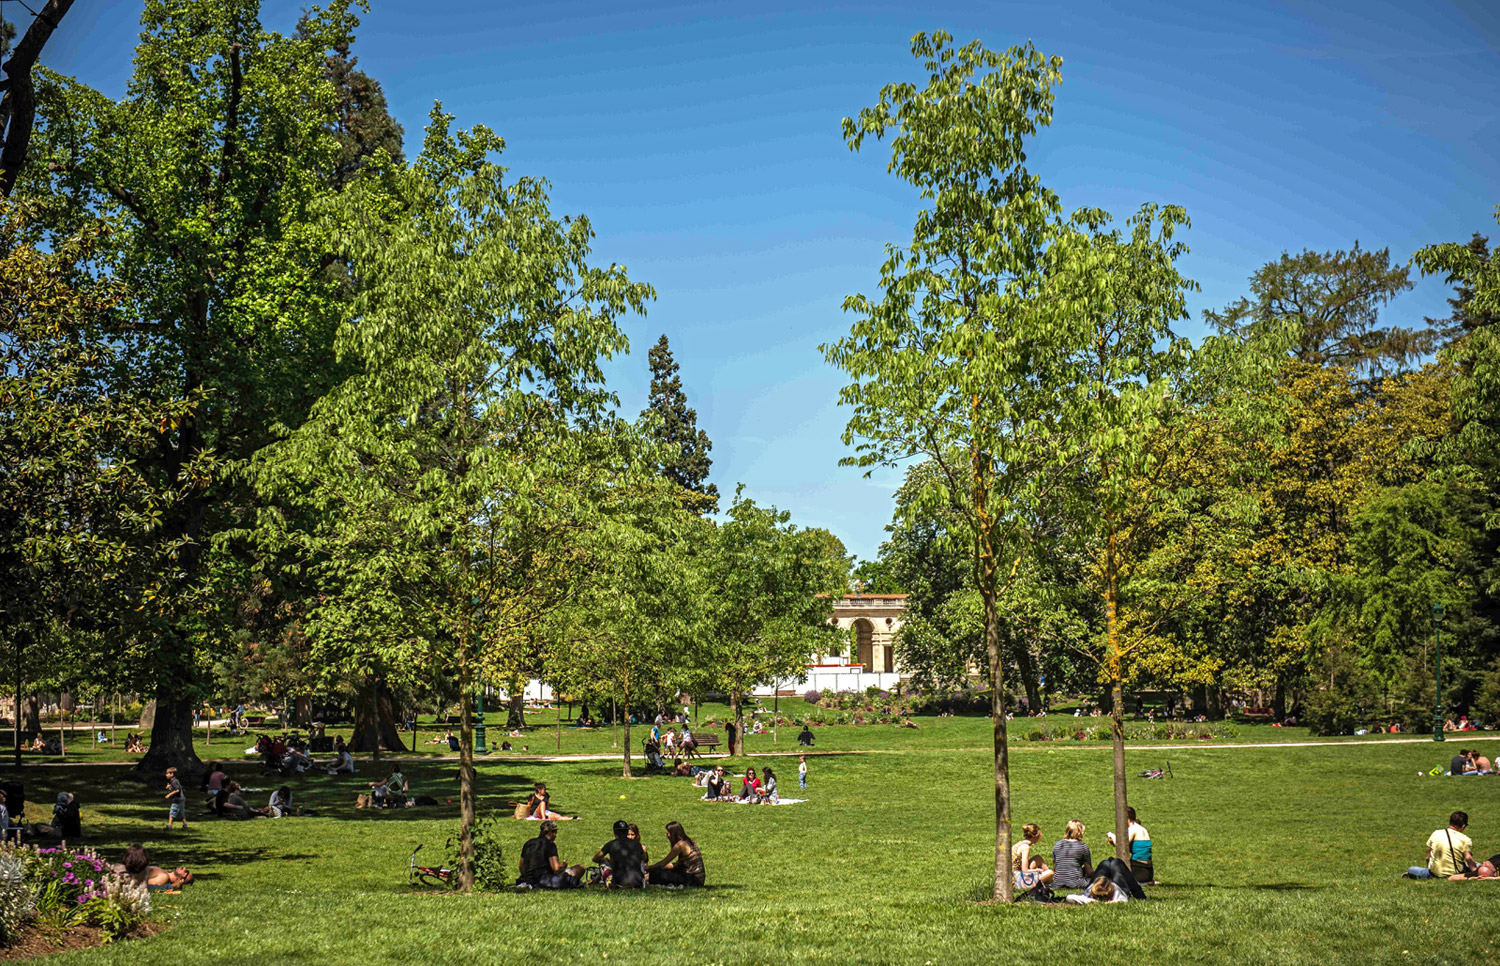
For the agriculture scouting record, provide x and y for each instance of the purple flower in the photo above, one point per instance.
(67, 865)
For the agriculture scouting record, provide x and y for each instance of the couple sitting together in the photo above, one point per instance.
(622, 861)
(1111, 881)
(1450, 855)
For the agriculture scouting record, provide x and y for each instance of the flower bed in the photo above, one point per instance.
(1160, 731)
(59, 889)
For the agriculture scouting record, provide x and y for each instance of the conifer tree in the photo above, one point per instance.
(685, 459)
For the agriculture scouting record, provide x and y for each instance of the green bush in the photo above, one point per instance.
(490, 873)
(16, 903)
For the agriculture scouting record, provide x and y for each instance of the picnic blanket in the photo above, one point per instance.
(736, 801)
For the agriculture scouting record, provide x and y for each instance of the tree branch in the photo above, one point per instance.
(21, 96)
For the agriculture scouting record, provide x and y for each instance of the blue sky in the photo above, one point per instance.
(703, 142)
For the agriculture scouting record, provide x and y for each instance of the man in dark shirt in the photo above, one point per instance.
(1460, 763)
(625, 858)
(540, 866)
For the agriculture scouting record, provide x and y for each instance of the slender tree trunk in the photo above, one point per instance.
(559, 728)
(614, 721)
(626, 772)
(466, 809)
(515, 717)
(23, 635)
(1117, 695)
(984, 546)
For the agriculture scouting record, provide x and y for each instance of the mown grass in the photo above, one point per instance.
(540, 736)
(1275, 855)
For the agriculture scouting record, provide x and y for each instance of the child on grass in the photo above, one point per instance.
(176, 804)
(802, 770)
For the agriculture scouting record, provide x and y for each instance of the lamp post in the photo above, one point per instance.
(1437, 710)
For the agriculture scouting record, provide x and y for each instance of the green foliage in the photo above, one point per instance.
(490, 871)
(1332, 301)
(17, 905)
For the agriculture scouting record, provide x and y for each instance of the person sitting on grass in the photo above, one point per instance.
(805, 736)
(540, 866)
(281, 804)
(767, 793)
(1072, 863)
(717, 785)
(1102, 889)
(136, 864)
(539, 806)
(625, 858)
(633, 832)
(391, 791)
(453, 742)
(1140, 849)
(1449, 851)
(750, 786)
(1462, 763)
(1029, 870)
(683, 863)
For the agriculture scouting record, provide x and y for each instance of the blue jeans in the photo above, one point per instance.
(802, 780)
(1419, 872)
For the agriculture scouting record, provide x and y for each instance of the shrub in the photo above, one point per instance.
(812, 696)
(490, 873)
(16, 904)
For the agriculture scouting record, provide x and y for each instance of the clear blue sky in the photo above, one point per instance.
(705, 147)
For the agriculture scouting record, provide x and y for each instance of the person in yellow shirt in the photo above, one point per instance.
(1449, 851)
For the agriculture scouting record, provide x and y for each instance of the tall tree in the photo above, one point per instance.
(362, 123)
(83, 545)
(772, 586)
(453, 469)
(208, 171)
(1332, 300)
(684, 447)
(955, 360)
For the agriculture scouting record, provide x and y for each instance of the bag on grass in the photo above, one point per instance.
(520, 810)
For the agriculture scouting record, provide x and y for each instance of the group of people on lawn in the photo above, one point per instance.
(1072, 865)
(623, 862)
(1450, 855)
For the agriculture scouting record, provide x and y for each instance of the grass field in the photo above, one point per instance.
(1269, 855)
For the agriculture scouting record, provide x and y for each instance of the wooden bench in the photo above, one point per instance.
(1256, 714)
(705, 742)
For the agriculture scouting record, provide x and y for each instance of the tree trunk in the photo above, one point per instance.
(737, 709)
(375, 727)
(148, 716)
(20, 100)
(515, 717)
(1117, 698)
(33, 713)
(1278, 701)
(626, 773)
(614, 721)
(23, 637)
(302, 710)
(1027, 666)
(984, 547)
(171, 735)
(465, 771)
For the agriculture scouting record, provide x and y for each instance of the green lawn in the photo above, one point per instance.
(1275, 855)
(542, 737)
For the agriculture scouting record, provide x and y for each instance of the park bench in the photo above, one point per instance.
(705, 742)
(1252, 715)
(255, 722)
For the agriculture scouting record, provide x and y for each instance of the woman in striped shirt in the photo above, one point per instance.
(1072, 864)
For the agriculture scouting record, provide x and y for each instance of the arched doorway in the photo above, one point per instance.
(864, 644)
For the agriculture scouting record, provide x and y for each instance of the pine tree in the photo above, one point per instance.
(686, 461)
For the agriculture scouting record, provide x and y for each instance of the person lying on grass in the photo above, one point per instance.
(541, 868)
(136, 864)
(625, 858)
(1029, 870)
(1449, 851)
(539, 806)
(235, 805)
(1102, 889)
(1072, 863)
(683, 863)
(1485, 870)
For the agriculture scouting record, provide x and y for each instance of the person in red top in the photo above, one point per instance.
(750, 787)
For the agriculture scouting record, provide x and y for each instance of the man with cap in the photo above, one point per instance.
(540, 866)
(625, 858)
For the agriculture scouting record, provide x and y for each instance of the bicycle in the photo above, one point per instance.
(426, 875)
